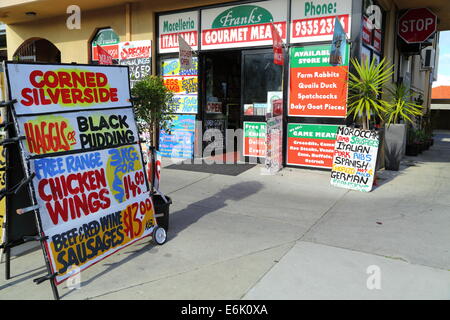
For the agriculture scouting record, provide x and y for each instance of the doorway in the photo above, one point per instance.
(235, 91)
(221, 97)
(38, 50)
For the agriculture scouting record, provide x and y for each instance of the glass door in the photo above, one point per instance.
(260, 77)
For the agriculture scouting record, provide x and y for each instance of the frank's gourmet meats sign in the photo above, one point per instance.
(172, 25)
(313, 20)
(56, 88)
(311, 145)
(89, 183)
(244, 25)
(355, 157)
(316, 88)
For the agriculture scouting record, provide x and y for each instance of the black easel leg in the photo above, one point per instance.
(54, 289)
(7, 263)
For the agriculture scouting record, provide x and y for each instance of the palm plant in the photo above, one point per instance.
(366, 85)
(401, 106)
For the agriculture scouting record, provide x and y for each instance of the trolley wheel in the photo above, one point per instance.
(159, 235)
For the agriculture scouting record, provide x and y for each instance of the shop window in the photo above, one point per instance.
(38, 50)
(108, 39)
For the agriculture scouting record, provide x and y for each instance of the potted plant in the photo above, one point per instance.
(399, 111)
(152, 105)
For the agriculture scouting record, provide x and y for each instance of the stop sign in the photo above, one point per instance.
(417, 25)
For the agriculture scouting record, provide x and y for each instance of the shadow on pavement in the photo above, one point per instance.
(179, 221)
(182, 219)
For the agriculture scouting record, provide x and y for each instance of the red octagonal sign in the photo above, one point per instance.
(417, 25)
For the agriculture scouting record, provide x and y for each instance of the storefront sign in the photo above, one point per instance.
(183, 103)
(246, 25)
(56, 88)
(180, 142)
(255, 139)
(183, 83)
(74, 131)
(355, 156)
(313, 20)
(311, 145)
(316, 88)
(137, 56)
(171, 26)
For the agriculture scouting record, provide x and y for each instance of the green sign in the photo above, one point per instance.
(242, 16)
(106, 37)
(312, 131)
(255, 130)
(314, 56)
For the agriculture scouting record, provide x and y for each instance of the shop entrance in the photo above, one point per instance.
(235, 88)
(221, 97)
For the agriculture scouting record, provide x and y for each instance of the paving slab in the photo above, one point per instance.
(314, 271)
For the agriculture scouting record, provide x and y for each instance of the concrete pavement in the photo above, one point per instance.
(289, 236)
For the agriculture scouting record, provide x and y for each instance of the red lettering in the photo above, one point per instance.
(26, 94)
(33, 75)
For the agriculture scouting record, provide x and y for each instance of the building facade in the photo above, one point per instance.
(234, 82)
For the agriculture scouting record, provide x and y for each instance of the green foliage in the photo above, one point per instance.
(401, 106)
(152, 104)
(366, 86)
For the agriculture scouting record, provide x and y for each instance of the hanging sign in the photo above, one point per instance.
(171, 26)
(245, 25)
(137, 56)
(278, 55)
(255, 139)
(313, 20)
(104, 57)
(311, 145)
(74, 131)
(355, 156)
(185, 54)
(41, 88)
(338, 45)
(316, 88)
